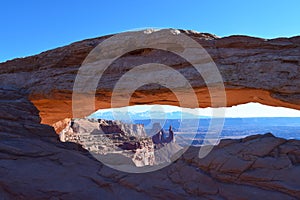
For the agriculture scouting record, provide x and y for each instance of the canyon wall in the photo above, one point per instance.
(115, 141)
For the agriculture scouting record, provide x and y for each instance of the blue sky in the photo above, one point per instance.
(30, 27)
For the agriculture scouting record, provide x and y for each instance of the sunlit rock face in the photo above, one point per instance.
(118, 143)
(123, 143)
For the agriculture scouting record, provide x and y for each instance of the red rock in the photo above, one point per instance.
(248, 67)
(35, 165)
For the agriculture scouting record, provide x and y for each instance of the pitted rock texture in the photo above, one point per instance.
(253, 70)
(35, 165)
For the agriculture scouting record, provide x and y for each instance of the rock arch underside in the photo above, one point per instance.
(36, 92)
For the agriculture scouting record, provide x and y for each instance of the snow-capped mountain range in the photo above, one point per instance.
(123, 115)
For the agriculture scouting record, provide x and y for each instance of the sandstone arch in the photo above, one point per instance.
(253, 69)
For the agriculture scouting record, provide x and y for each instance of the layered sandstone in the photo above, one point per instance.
(253, 70)
(122, 143)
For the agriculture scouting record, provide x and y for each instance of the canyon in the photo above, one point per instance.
(113, 141)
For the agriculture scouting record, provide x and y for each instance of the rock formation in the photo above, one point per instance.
(253, 70)
(117, 143)
(34, 164)
(111, 138)
(161, 137)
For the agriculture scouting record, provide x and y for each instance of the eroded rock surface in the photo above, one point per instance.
(253, 70)
(118, 143)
